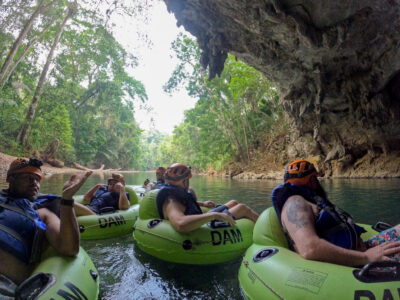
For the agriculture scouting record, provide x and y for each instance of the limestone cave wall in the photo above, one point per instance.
(336, 65)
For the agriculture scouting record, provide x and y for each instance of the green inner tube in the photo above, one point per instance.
(117, 223)
(270, 270)
(210, 244)
(62, 277)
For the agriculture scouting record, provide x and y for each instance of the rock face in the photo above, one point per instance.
(336, 65)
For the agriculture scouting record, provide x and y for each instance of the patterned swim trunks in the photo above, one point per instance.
(390, 234)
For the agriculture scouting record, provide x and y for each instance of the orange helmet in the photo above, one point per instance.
(160, 170)
(23, 165)
(299, 172)
(177, 173)
(117, 177)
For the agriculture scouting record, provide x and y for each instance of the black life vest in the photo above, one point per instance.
(186, 198)
(332, 223)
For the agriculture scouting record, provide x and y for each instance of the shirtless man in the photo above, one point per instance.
(177, 203)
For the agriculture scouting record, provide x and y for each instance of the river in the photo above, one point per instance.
(128, 273)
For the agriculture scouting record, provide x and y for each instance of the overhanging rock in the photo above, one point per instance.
(336, 64)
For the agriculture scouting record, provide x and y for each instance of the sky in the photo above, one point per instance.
(161, 111)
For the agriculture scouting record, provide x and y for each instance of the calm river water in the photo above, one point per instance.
(128, 273)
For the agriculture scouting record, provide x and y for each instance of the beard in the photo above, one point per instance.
(321, 192)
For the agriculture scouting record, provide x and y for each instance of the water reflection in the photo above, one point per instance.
(128, 273)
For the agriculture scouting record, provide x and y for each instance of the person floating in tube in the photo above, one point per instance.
(159, 183)
(112, 195)
(319, 230)
(30, 220)
(178, 203)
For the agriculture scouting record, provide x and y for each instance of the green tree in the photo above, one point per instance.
(40, 8)
(233, 113)
(26, 125)
(86, 98)
(150, 144)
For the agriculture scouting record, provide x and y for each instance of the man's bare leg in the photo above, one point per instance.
(82, 210)
(243, 211)
(231, 204)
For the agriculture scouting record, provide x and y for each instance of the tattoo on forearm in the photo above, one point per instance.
(295, 213)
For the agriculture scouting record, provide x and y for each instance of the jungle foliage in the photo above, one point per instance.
(234, 114)
(63, 76)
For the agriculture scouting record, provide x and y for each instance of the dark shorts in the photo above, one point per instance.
(388, 235)
(222, 209)
(93, 208)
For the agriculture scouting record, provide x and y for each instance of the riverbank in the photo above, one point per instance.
(267, 167)
(48, 170)
(263, 167)
(5, 161)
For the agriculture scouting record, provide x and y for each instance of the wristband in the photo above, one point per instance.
(67, 202)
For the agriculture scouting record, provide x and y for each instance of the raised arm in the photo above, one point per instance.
(63, 233)
(174, 212)
(298, 219)
(90, 193)
(123, 202)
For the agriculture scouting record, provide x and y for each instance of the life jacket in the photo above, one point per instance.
(21, 229)
(158, 184)
(49, 201)
(186, 198)
(104, 198)
(332, 223)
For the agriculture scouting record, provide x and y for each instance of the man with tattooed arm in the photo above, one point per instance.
(319, 230)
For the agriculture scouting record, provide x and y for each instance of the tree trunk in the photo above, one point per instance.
(18, 41)
(27, 48)
(245, 138)
(80, 167)
(25, 129)
(50, 151)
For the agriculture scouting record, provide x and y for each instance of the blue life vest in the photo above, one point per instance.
(186, 198)
(49, 201)
(104, 198)
(332, 224)
(158, 184)
(21, 229)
